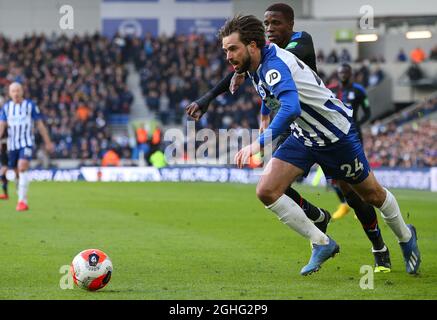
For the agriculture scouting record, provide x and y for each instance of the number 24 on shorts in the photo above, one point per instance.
(350, 173)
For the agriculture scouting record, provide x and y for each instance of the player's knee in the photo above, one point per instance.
(266, 194)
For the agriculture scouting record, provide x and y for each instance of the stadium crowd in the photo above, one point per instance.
(177, 70)
(76, 82)
(79, 82)
(407, 146)
(408, 140)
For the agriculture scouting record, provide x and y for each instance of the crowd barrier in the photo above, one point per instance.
(418, 179)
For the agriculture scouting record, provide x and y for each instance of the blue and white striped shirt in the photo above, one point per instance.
(19, 118)
(320, 118)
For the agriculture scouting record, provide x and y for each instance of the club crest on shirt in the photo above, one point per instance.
(273, 77)
(261, 92)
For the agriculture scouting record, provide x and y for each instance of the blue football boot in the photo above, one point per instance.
(320, 254)
(411, 252)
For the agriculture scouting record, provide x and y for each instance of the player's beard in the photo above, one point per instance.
(245, 64)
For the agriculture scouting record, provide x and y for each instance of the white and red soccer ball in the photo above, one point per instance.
(91, 269)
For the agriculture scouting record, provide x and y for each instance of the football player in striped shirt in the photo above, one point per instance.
(18, 116)
(4, 166)
(279, 23)
(323, 132)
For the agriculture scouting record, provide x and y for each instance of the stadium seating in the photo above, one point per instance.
(406, 139)
(78, 83)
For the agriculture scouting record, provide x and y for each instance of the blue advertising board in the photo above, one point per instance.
(137, 27)
(206, 26)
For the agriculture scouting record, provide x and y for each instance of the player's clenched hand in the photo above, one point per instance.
(242, 157)
(236, 81)
(194, 110)
(50, 147)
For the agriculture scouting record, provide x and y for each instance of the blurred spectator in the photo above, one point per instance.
(417, 55)
(402, 57)
(111, 159)
(143, 146)
(320, 56)
(377, 59)
(82, 112)
(363, 74)
(414, 72)
(376, 75)
(345, 56)
(433, 53)
(332, 57)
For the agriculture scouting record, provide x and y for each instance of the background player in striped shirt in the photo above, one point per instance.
(279, 23)
(18, 116)
(4, 165)
(323, 132)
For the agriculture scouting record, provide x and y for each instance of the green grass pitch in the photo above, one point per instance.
(197, 241)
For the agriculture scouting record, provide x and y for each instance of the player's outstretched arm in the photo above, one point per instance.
(289, 111)
(45, 135)
(264, 123)
(199, 107)
(3, 125)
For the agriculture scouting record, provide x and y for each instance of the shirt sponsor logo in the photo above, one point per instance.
(273, 77)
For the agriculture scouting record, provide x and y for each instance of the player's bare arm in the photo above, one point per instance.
(264, 123)
(3, 125)
(45, 135)
(236, 81)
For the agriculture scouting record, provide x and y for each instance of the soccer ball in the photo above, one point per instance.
(91, 269)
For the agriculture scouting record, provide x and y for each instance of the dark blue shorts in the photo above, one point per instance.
(343, 160)
(22, 153)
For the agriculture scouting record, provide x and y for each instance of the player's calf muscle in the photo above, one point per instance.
(371, 191)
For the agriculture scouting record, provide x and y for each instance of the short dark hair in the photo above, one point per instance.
(249, 28)
(285, 9)
(346, 66)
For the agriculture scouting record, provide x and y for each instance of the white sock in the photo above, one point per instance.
(293, 216)
(393, 218)
(384, 249)
(23, 185)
